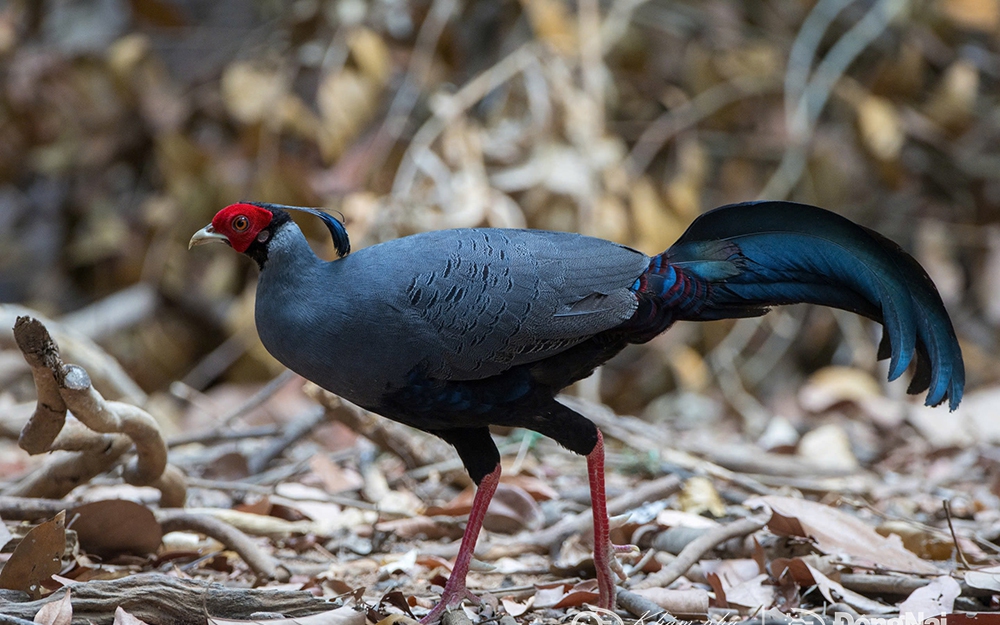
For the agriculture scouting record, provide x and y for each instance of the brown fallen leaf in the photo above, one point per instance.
(420, 526)
(56, 612)
(37, 557)
(752, 594)
(565, 595)
(334, 478)
(833, 591)
(116, 526)
(511, 510)
(837, 532)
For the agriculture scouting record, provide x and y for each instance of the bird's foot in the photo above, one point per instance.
(451, 598)
(608, 566)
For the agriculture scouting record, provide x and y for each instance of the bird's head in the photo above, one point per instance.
(248, 227)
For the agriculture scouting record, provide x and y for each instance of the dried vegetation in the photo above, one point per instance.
(768, 471)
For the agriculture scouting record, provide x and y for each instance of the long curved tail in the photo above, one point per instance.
(743, 258)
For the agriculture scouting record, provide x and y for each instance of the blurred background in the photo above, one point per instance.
(126, 124)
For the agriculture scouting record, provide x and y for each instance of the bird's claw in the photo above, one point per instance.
(451, 598)
(617, 551)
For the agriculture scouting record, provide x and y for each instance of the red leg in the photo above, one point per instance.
(454, 590)
(604, 551)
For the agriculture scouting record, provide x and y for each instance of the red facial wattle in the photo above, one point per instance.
(241, 223)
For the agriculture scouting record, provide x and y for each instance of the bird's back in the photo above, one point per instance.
(462, 304)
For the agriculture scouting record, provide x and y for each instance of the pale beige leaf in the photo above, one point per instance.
(987, 579)
(836, 532)
(752, 594)
(934, 599)
(346, 615)
(251, 93)
(699, 495)
(834, 592)
(371, 54)
(58, 612)
(832, 385)
(881, 128)
(124, 618)
(828, 447)
(516, 608)
(979, 15)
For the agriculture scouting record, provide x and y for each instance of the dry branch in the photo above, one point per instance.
(157, 598)
(112, 428)
(262, 564)
(107, 374)
(697, 548)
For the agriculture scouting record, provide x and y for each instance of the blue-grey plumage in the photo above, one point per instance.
(456, 330)
(453, 305)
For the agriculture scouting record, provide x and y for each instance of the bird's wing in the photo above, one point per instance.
(747, 257)
(489, 299)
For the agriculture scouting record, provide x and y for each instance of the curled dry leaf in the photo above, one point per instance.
(37, 557)
(934, 599)
(929, 544)
(59, 612)
(517, 608)
(807, 575)
(832, 385)
(752, 594)
(116, 526)
(124, 618)
(837, 532)
(987, 579)
(346, 615)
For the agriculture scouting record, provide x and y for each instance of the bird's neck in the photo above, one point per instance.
(288, 257)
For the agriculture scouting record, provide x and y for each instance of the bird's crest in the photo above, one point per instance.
(341, 242)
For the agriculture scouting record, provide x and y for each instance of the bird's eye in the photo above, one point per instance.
(240, 223)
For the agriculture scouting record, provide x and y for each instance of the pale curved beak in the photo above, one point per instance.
(207, 235)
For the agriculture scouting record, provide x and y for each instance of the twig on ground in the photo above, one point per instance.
(879, 584)
(291, 433)
(642, 608)
(654, 490)
(954, 537)
(216, 435)
(262, 564)
(696, 550)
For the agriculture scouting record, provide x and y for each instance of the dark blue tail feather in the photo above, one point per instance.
(739, 260)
